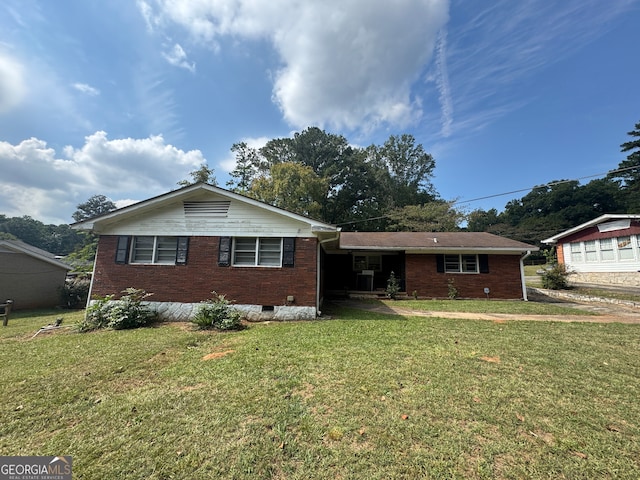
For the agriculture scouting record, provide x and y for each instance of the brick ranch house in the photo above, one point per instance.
(275, 264)
(605, 250)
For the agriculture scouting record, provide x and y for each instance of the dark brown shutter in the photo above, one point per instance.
(288, 251)
(440, 263)
(224, 252)
(122, 249)
(483, 260)
(183, 248)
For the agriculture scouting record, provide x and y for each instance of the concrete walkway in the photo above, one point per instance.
(606, 314)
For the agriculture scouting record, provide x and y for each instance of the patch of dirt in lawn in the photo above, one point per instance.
(213, 355)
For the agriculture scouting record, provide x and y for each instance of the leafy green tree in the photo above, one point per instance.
(410, 170)
(481, 220)
(203, 174)
(293, 187)
(437, 216)
(94, 206)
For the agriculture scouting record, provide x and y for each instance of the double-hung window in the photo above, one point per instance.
(461, 263)
(625, 249)
(591, 254)
(147, 249)
(257, 252)
(606, 249)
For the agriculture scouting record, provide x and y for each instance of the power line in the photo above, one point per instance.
(550, 184)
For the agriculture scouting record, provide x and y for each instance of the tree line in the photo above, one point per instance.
(384, 187)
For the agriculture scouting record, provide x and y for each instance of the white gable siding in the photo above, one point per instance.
(241, 220)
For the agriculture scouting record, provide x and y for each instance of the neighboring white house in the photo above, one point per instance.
(605, 250)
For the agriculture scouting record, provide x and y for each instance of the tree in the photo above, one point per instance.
(438, 216)
(293, 187)
(248, 166)
(204, 174)
(480, 220)
(410, 170)
(629, 177)
(94, 206)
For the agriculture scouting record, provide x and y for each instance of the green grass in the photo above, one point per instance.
(362, 396)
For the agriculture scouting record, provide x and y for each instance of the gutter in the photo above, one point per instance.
(522, 279)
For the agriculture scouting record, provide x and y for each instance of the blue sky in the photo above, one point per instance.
(124, 98)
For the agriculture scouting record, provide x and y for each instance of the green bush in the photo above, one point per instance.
(555, 277)
(74, 293)
(452, 291)
(127, 312)
(217, 312)
(393, 286)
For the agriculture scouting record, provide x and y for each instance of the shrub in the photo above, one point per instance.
(555, 277)
(217, 312)
(127, 312)
(393, 286)
(452, 290)
(74, 293)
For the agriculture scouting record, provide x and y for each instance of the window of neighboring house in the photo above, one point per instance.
(256, 252)
(606, 249)
(576, 252)
(149, 249)
(461, 263)
(367, 262)
(625, 249)
(591, 254)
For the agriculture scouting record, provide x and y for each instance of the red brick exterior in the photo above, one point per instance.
(503, 279)
(201, 275)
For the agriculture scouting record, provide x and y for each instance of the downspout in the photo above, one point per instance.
(522, 279)
(318, 312)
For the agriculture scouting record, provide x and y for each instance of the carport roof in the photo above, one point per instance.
(432, 242)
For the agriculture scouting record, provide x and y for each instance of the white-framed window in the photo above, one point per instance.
(257, 252)
(625, 249)
(606, 249)
(462, 263)
(591, 254)
(367, 262)
(576, 252)
(150, 249)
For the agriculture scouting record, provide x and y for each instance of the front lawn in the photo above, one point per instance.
(361, 396)
(486, 306)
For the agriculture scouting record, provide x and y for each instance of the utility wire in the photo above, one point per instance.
(550, 184)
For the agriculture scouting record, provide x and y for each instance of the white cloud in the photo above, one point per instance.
(36, 181)
(178, 58)
(12, 83)
(345, 63)
(86, 89)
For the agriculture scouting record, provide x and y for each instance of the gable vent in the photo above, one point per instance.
(207, 209)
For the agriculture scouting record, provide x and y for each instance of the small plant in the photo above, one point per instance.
(127, 312)
(415, 295)
(393, 287)
(452, 291)
(217, 312)
(555, 277)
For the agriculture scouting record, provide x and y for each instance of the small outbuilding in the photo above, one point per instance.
(29, 276)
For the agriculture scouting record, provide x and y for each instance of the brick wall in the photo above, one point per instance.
(194, 281)
(503, 278)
